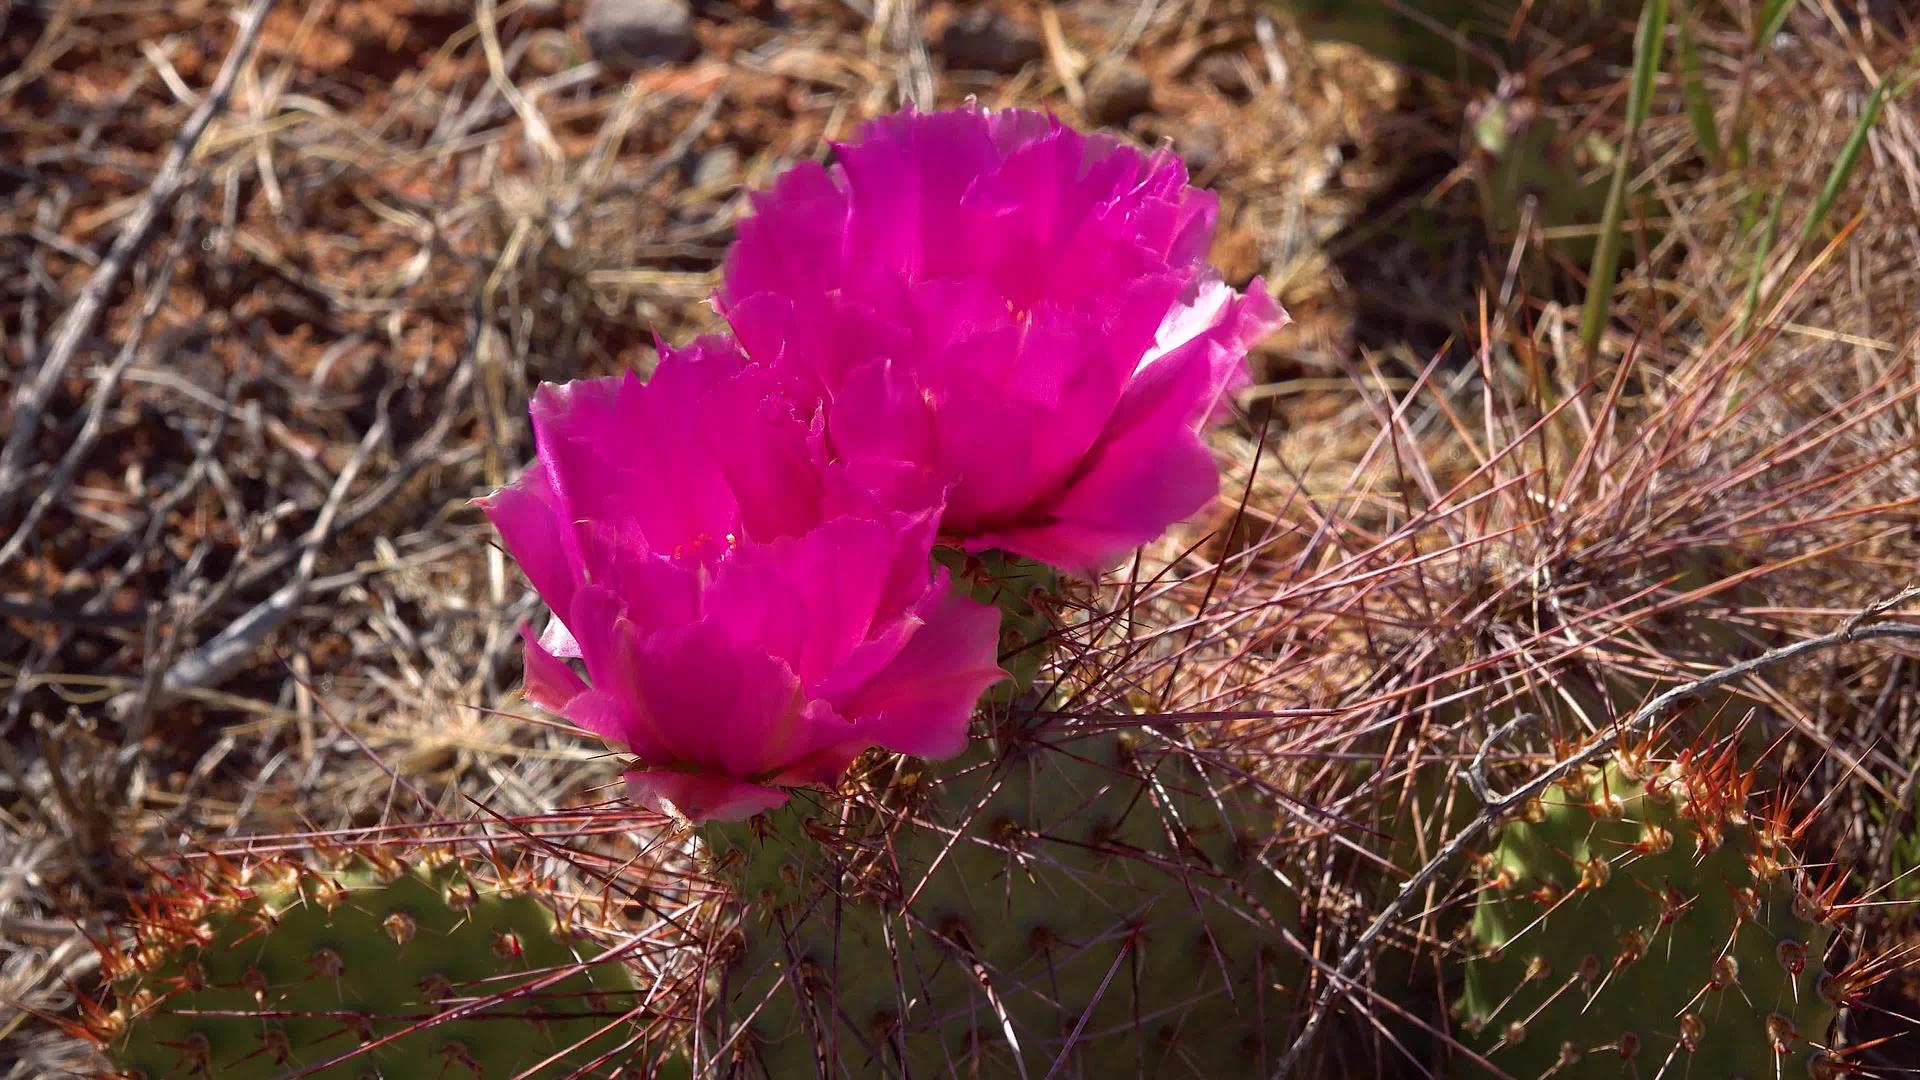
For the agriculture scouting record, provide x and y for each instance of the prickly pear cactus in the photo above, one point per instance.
(281, 967)
(1636, 921)
(1080, 903)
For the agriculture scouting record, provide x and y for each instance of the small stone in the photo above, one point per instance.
(717, 168)
(1117, 91)
(638, 33)
(982, 39)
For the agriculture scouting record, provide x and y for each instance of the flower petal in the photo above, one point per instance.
(550, 682)
(809, 600)
(537, 538)
(880, 414)
(628, 457)
(922, 702)
(701, 797)
(1136, 487)
(718, 704)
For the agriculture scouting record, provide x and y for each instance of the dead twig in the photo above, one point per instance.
(101, 397)
(214, 661)
(35, 389)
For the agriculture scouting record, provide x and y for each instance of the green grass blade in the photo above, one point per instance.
(1837, 178)
(1757, 269)
(1693, 86)
(1843, 166)
(1772, 18)
(1647, 45)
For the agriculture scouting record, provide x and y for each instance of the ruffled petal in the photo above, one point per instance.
(627, 456)
(615, 719)
(550, 682)
(717, 704)
(537, 538)
(793, 239)
(809, 600)
(922, 702)
(1135, 487)
(1199, 356)
(879, 413)
(767, 454)
(701, 797)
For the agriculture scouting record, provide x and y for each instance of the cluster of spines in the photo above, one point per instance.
(1638, 907)
(376, 964)
(1073, 904)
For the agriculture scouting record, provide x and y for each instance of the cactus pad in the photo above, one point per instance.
(283, 967)
(1636, 921)
(1077, 904)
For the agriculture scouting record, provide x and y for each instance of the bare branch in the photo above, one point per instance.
(35, 389)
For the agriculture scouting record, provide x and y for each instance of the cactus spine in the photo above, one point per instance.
(1636, 918)
(1079, 897)
(1079, 900)
(254, 972)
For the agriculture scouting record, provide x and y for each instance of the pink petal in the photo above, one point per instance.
(655, 591)
(1199, 355)
(876, 487)
(922, 702)
(907, 578)
(618, 721)
(812, 341)
(994, 451)
(906, 175)
(536, 537)
(701, 797)
(550, 682)
(1135, 488)
(792, 241)
(880, 414)
(1150, 468)
(1013, 443)
(600, 626)
(627, 457)
(809, 600)
(700, 366)
(767, 455)
(717, 704)
(824, 767)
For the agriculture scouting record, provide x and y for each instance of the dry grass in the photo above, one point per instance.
(242, 593)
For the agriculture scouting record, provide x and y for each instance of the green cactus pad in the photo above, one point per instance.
(285, 967)
(1636, 921)
(1075, 901)
(1021, 589)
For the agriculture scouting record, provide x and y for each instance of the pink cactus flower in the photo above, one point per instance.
(1021, 312)
(748, 620)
